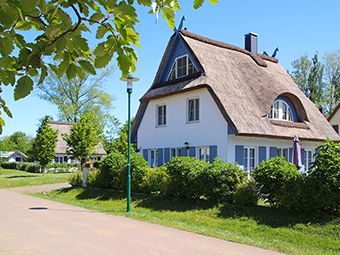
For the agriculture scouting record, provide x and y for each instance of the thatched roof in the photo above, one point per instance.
(244, 87)
(65, 128)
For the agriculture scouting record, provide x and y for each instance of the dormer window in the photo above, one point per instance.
(183, 66)
(280, 110)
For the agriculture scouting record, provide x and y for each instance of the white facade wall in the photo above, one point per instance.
(210, 130)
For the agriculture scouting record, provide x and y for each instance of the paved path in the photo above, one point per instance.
(31, 225)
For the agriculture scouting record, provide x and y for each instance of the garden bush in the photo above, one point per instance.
(76, 178)
(155, 180)
(324, 178)
(220, 180)
(9, 165)
(274, 178)
(34, 168)
(113, 170)
(186, 177)
(247, 193)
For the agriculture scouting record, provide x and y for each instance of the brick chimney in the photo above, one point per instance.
(251, 42)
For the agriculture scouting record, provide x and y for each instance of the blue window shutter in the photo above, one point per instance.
(239, 154)
(192, 151)
(213, 153)
(230, 131)
(166, 155)
(160, 157)
(273, 152)
(145, 154)
(302, 156)
(262, 154)
(290, 154)
(184, 152)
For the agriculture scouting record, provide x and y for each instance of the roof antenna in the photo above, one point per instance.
(180, 25)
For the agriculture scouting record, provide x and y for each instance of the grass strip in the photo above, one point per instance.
(280, 230)
(16, 178)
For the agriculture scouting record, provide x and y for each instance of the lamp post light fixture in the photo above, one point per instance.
(129, 79)
(186, 144)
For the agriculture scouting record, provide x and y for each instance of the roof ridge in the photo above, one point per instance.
(259, 58)
(61, 122)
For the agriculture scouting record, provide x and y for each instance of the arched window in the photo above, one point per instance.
(280, 110)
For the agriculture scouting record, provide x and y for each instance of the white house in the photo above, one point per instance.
(61, 154)
(211, 99)
(15, 156)
(334, 118)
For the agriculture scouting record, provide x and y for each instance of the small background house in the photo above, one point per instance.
(61, 155)
(211, 99)
(15, 156)
(334, 118)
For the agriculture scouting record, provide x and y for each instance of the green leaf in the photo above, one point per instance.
(5, 61)
(52, 30)
(213, 1)
(33, 72)
(169, 14)
(81, 42)
(71, 71)
(88, 67)
(23, 87)
(63, 66)
(55, 70)
(4, 77)
(101, 31)
(43, 74)
(7, 111)
(100, 50)
(65, 19)
(198, 3)
(96, 17)
(103, 61)
(7, 47)
(11, 76)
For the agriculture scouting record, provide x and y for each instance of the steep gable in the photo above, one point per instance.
(244, 87)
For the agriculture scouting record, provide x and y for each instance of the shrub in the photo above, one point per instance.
(185, 175)
(76, 178)
(155, 180)
(112, 167)
(9, 165)
(220, 180)
(273, 178)
(33, 168)
(247, 193)
(93, 178)
(324, 177)
(138, 169)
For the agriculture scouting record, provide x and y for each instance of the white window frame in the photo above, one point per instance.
(196, 109)
(189, 68)
(153, 156)
(249, 163)
(175, 152)
(203, 153)
(281, 110)
(161, 118)
(309, 158)
(280, 153)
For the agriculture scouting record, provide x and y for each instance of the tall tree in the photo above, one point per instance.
(18, 141)
(120, 144)
(83, 139)
(332, 75)
(75, 97)
(45, 143)
(60, 26)
(308, 75)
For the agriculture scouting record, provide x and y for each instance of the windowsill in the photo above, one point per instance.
(290, 124)
(161, 126)
(193, 122)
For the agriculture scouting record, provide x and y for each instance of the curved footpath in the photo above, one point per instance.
(31, 225)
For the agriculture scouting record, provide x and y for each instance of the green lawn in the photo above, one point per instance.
(280, 230)
(16, 178)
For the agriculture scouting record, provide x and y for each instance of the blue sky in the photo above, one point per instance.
(296, 27)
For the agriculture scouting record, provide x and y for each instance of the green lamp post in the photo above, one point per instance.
(129, 79)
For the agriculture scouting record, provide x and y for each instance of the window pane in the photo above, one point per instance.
(284, 111)
(276, 110)
(197, 108)
(181, 67)
(278, 151)
(207, 154)
(191, 110)
(179, 152)
(173, 153)
(285, 154)
(245, 159)
(164, 114)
